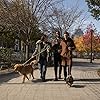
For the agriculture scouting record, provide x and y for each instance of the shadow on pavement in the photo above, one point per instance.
(47, 80)
(78, 86)
(89, 80)
(86, 64)
(6, 77)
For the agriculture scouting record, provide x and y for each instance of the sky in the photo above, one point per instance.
(83, 6)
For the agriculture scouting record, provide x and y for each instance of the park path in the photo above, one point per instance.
(86, 85)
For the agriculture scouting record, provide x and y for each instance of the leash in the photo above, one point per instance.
(35, 56)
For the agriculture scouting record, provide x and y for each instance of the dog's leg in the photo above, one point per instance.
(23, 79)
(29, 76)
(26, 76)
(32, 74)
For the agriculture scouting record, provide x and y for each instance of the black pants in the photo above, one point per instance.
(65, 71)
(57, 62)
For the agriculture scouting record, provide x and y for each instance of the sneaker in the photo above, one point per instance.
(59, 77)
(65, 79)
(40, 77)
(55, 79)
(43, 79)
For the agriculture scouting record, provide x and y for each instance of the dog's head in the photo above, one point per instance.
(18, 67)
(34, 62)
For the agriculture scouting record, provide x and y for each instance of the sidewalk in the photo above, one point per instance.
(6, 71)
(85, 64)
(86, 87)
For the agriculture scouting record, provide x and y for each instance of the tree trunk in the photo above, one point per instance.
(27, 52)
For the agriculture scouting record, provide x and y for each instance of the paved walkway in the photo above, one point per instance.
(86, 85)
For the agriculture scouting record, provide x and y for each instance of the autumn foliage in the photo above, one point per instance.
(79, 43)
(83, 43)
(90, 37)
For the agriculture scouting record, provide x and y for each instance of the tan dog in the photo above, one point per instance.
(25, 69)
(34, 63)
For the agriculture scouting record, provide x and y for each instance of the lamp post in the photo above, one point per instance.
(91, 49)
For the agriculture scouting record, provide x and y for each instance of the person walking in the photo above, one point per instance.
(42, 49)
(67, 46)
(57, 57)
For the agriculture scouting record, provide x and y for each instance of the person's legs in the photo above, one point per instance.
(69, 78)
(44, 69)
(55, 68)
(65, 72)
(60, 68)
(69, 66)
(64, 65)
(41, 70)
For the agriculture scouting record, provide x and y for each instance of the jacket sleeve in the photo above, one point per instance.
(72, 45)
(36, 48)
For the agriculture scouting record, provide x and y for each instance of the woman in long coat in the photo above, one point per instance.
(67, 46)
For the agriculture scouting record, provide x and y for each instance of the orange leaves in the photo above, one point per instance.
(79, 43)
(83, 43)
(91, 39)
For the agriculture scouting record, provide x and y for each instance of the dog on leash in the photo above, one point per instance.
(25, 69)
(34, 64)
(69, 80)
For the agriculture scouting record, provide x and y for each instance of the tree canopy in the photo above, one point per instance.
(94, 8)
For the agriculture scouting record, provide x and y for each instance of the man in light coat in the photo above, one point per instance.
(42, 49)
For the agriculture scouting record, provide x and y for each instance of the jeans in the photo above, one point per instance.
(43, 67)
